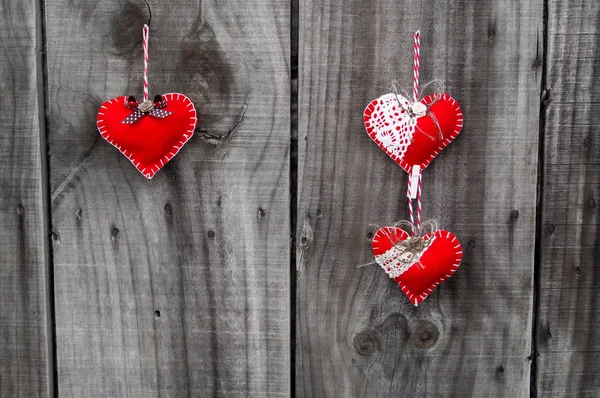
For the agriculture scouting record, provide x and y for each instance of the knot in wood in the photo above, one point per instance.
(366, 343)
(425, 335)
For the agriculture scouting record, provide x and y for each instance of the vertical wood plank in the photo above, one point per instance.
(178, 285)
(568, 339)
(24, 342)
(357, 335)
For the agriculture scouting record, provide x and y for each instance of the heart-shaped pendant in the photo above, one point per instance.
(417, 265)
(149, 134)
(413, 133)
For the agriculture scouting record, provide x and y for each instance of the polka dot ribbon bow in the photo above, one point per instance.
(140, 109)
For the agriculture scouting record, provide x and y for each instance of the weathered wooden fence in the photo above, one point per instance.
(234, 271)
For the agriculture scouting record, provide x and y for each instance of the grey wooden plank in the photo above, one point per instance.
(25, 357)
(357, 335)
(179, 285)
(568, 339)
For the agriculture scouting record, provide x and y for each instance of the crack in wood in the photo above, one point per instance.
(215, 138)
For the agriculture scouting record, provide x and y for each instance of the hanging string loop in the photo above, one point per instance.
(145, 34)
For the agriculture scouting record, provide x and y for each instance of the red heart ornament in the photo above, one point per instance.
(412, 139)
(149, 142)
(417, 270)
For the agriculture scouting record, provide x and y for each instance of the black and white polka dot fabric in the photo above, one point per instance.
(156, 111)
(134, 117)
(159, 113)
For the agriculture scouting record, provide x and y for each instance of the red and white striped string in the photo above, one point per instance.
(145, 32)
(416, 63)
(417, 225)
(410, 208)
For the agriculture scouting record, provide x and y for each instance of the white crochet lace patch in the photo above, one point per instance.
(392, 126)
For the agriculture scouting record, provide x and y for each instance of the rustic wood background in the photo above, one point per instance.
(234, 271)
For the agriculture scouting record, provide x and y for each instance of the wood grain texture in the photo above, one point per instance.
(178, 285)
(24, 356)
(357, 335)
(568, 338)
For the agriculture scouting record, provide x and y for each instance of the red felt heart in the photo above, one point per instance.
(417, 270)
(149, 142)
(408, 139)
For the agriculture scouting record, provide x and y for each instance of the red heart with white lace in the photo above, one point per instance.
(149, 138)
(417, 265)
(413, 134)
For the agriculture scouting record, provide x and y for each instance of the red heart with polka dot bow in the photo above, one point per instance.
(148, 136)
(413, 133)
(417, 265)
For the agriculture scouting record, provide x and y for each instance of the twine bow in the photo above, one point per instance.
(413, 244)
(417, 109)
(140, 109)
(411, 250)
